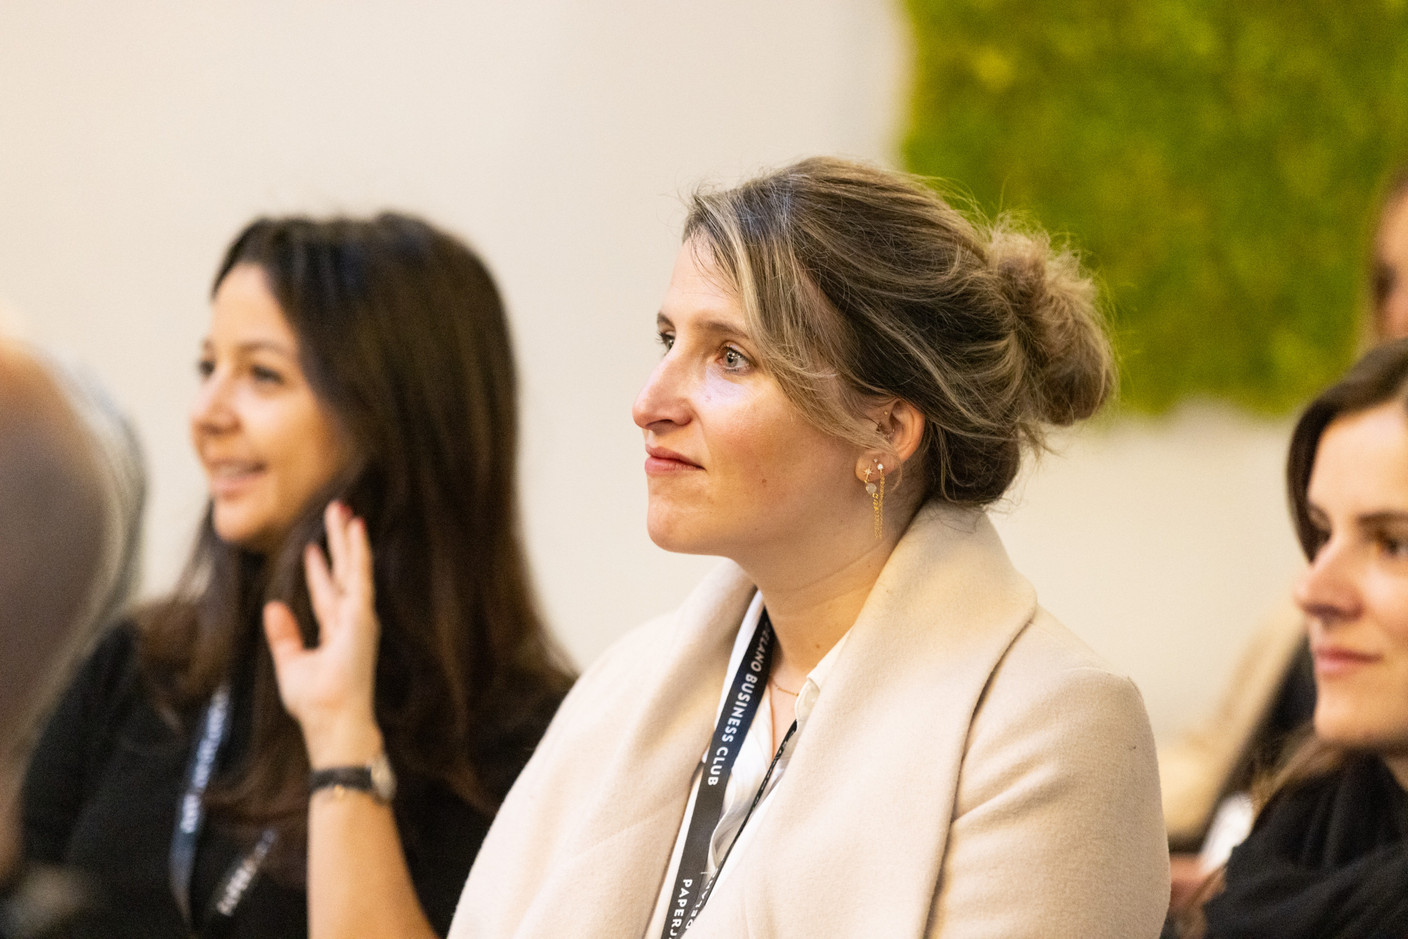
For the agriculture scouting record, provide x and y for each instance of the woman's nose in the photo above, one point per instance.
(664, 397)
(1329, 589)
(210, 409)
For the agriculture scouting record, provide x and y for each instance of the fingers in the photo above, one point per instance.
(350, 550)
(347, 583)
(322, 590)
(336, 518)
(281, 630)
(360, 582)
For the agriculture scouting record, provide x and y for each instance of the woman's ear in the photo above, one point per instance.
(902, 425)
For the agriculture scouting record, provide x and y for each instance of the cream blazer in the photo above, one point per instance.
(970, 770)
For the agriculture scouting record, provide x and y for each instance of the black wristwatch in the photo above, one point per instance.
(376, 779)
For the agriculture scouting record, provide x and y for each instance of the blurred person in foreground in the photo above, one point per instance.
(356, 422)
(863, 723)
(1327, 856)
(71, 494)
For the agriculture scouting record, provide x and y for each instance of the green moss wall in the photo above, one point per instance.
(1218, 163)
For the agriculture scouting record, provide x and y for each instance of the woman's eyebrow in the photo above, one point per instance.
(264, 345)
(707, 325)
(1385, 517)
(720, 328)
(207, 345)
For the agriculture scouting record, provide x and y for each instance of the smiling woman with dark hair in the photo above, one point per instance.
(357, 392)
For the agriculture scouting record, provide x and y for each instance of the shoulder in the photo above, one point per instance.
(69, 760)
(1057, 728)
(109, 671)
(1046, 646)
(650, 674)
(1059, 770)
(106, 700)
(1050, 690)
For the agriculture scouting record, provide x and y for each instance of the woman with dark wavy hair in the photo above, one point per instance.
(1328, 854)
(356, 410)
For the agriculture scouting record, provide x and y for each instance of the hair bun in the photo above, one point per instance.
(1058, 324)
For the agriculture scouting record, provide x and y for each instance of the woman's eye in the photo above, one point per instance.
(1394, 546)
(205, 367)
(265, 376)
(666, 340)
(734, 360)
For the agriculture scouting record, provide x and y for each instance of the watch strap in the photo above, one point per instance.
(376, 779)
(348, 777)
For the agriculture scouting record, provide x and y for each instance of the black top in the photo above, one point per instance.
(102, 791)
(1327, 859)
(1291, 711)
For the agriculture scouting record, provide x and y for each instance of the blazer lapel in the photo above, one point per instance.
(854, 842)
(638, 762)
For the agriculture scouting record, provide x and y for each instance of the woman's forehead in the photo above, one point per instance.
(1361, 464)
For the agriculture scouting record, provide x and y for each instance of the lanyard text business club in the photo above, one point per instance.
(692, 881)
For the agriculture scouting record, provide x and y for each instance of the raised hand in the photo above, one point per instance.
(329, 688)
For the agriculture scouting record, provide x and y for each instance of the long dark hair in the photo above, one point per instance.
(403, 337)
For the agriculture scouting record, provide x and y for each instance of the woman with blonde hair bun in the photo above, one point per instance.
(862, 724)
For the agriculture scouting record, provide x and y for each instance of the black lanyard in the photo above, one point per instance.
(692, 881)
(190, 816)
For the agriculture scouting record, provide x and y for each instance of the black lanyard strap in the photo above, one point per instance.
(757, 797)
(686, 900)
(190, 817)
(191, 809)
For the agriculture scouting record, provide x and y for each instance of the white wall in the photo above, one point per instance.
(1163, 543)
(136, 138)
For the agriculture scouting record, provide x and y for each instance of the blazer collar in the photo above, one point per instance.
(868, 799)
(844, 829)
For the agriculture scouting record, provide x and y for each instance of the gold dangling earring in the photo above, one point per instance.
(877, 498)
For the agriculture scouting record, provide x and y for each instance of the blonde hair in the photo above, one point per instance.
(861, 284)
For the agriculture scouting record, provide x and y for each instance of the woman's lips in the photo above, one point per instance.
(1334, 660)
(232, 478)
(659, 461)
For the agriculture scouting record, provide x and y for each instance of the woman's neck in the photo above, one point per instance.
(810, 612)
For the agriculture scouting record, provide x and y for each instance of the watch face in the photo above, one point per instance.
(383, 779)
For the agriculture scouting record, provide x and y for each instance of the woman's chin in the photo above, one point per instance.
(240, 537)
(674, 538)
(666, 541)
